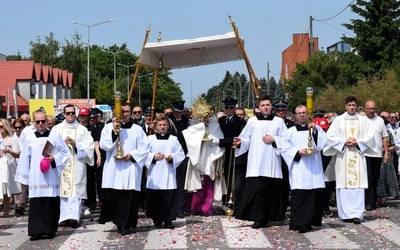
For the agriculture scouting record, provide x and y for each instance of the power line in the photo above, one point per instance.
(323, 20)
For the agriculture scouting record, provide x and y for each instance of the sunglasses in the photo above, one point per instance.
(229, 107)
(17, 128)
(136, 112)
(1, 126)
(70, 113)
(40, 121)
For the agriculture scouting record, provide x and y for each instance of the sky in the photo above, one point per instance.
(267, 27)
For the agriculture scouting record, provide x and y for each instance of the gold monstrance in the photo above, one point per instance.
(309, 104)
(201, 110)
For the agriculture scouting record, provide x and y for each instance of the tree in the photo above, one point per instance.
(383, 90)
(377, 36)
(45, 53)
(338, 70)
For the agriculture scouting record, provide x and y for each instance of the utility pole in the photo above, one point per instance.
(311, 38)
(268, 78)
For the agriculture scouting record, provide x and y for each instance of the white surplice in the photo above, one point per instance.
(161, 174)
(122, 174)
(263, 159)
(307, 173)
(28, 170)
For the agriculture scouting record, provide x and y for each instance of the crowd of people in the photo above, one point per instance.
(177, 163)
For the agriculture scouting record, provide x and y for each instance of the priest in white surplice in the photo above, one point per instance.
(262, 137)
(165, 155)
(73, 178)
(122, 177)
(349, 137)
(204, 176)
(44, 187)
(306, 174)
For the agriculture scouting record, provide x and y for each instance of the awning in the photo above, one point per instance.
(191, 52)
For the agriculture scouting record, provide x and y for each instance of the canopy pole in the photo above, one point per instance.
(153, 101)
(146, 37)
(253, 79)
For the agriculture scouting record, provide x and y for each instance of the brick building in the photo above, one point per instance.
(299, 51)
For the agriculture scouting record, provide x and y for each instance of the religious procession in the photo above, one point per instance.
(263, 167)
(268, 167)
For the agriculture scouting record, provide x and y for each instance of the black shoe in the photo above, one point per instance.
(73, 224)
(63, 223)
(301, 228)
(327, 213)
(125, 231)
(20, 210)
(180, 215)
(281, 217)
(356, 221)
(48, 236)
(257, 225)
(169, 225)
(35, 237)
(370, 207)
(205, 214)
(157, 224)
(348, 220)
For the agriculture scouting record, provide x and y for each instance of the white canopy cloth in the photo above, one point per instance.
(192, 52)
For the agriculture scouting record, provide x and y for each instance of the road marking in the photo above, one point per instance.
(329, 238)
(90, 235)
(386, 228)
(239, 234)
(14, 236)
(168, 238)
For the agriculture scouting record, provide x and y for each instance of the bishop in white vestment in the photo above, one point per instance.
(349, 137)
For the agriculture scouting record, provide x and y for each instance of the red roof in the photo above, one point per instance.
(13, 71)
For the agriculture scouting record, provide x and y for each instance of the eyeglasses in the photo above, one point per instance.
(40, 121)
(17, 128)
(229, 107)
(136, 112)
(393, 117)
(70, 113)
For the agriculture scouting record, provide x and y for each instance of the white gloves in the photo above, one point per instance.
(215, 142)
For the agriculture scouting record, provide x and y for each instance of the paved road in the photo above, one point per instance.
(380, 229)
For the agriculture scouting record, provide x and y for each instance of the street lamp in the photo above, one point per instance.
(88, 54)
(115, 67)
(139, 86)
(127, 75)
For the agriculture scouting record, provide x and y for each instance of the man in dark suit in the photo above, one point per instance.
(231, 126)
(281, 108)
(94, 173)
(177, 123)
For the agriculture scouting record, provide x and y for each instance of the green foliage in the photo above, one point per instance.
(376, 89)
(377, 34)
